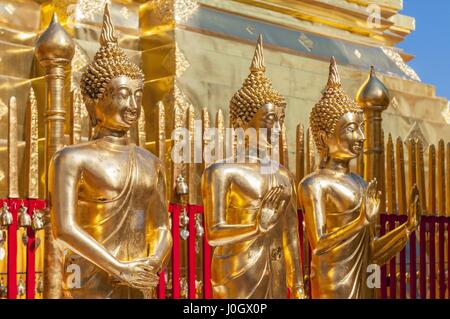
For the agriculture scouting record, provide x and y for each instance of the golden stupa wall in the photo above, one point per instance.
(213, 65)
(218, 67)
(198, 53)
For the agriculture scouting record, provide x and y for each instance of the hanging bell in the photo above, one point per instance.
(2, 237)
(21, 288)
(37, 222)
(39, 286)
(184, 218)
(3, 289)
(199, 230)
(182, 187)
(23, 217)
(6, 218)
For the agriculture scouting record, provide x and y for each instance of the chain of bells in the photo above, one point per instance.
(182, 190)
(24, 221)
(36, 222)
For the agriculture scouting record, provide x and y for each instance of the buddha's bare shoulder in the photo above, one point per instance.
(149, 157)
(320, 180)
(74, 154)
(313, 183)
(225, 168)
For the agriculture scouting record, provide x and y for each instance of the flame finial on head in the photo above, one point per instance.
(258, 57)
(334, 79)
(256, 91)
(108, 32)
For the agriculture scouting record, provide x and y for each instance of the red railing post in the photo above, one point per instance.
(412, 266)
(432, 229)
(191, 211)
(392, 264)
(383, 287)
(448, 255)
(402, 220)
(442, 283)
(14, 205)
(161, 289)
(174, 209)
(423, 258)
(207, 287)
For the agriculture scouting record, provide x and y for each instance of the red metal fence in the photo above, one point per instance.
(404, 276)
(12, 285)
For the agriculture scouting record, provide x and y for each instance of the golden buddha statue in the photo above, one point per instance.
(340, 208)
(108, 197)
(250, 214)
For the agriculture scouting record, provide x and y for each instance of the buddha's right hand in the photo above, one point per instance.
(138, 274)
(371, 202)
(271, 205)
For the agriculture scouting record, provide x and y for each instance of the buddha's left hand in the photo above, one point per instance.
(298, 292)
(155, 262)
(372, 201)
(414, 211)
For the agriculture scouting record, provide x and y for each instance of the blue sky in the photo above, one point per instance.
(430, 42)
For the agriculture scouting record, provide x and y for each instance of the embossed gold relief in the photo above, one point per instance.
(398, 60)
(181, 101)
(182, 64)
(170, 11)
(13, 150)
(416, 133)
(32, 150)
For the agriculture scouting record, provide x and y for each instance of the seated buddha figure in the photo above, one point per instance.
(340, 208)
(108, 197)
(251, 213)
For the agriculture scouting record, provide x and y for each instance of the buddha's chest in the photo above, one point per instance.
(115, 173)
(248, 189)
(343, 200)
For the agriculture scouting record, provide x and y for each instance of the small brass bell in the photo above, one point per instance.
(39, 286)
(182, 187)
(21, 290)
(37, 222)
(3, 289)
(23, 217)
(6, 218)
(2, 237)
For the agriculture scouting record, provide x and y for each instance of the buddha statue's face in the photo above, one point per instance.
(348, 138)
(269, 117)
(120, 106)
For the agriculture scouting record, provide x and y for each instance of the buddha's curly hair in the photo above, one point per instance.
(333, 104)
(256, 91)
(109, 62)
(254, 94)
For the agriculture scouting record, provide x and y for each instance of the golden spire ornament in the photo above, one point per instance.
(373, 93)
(256, 91)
